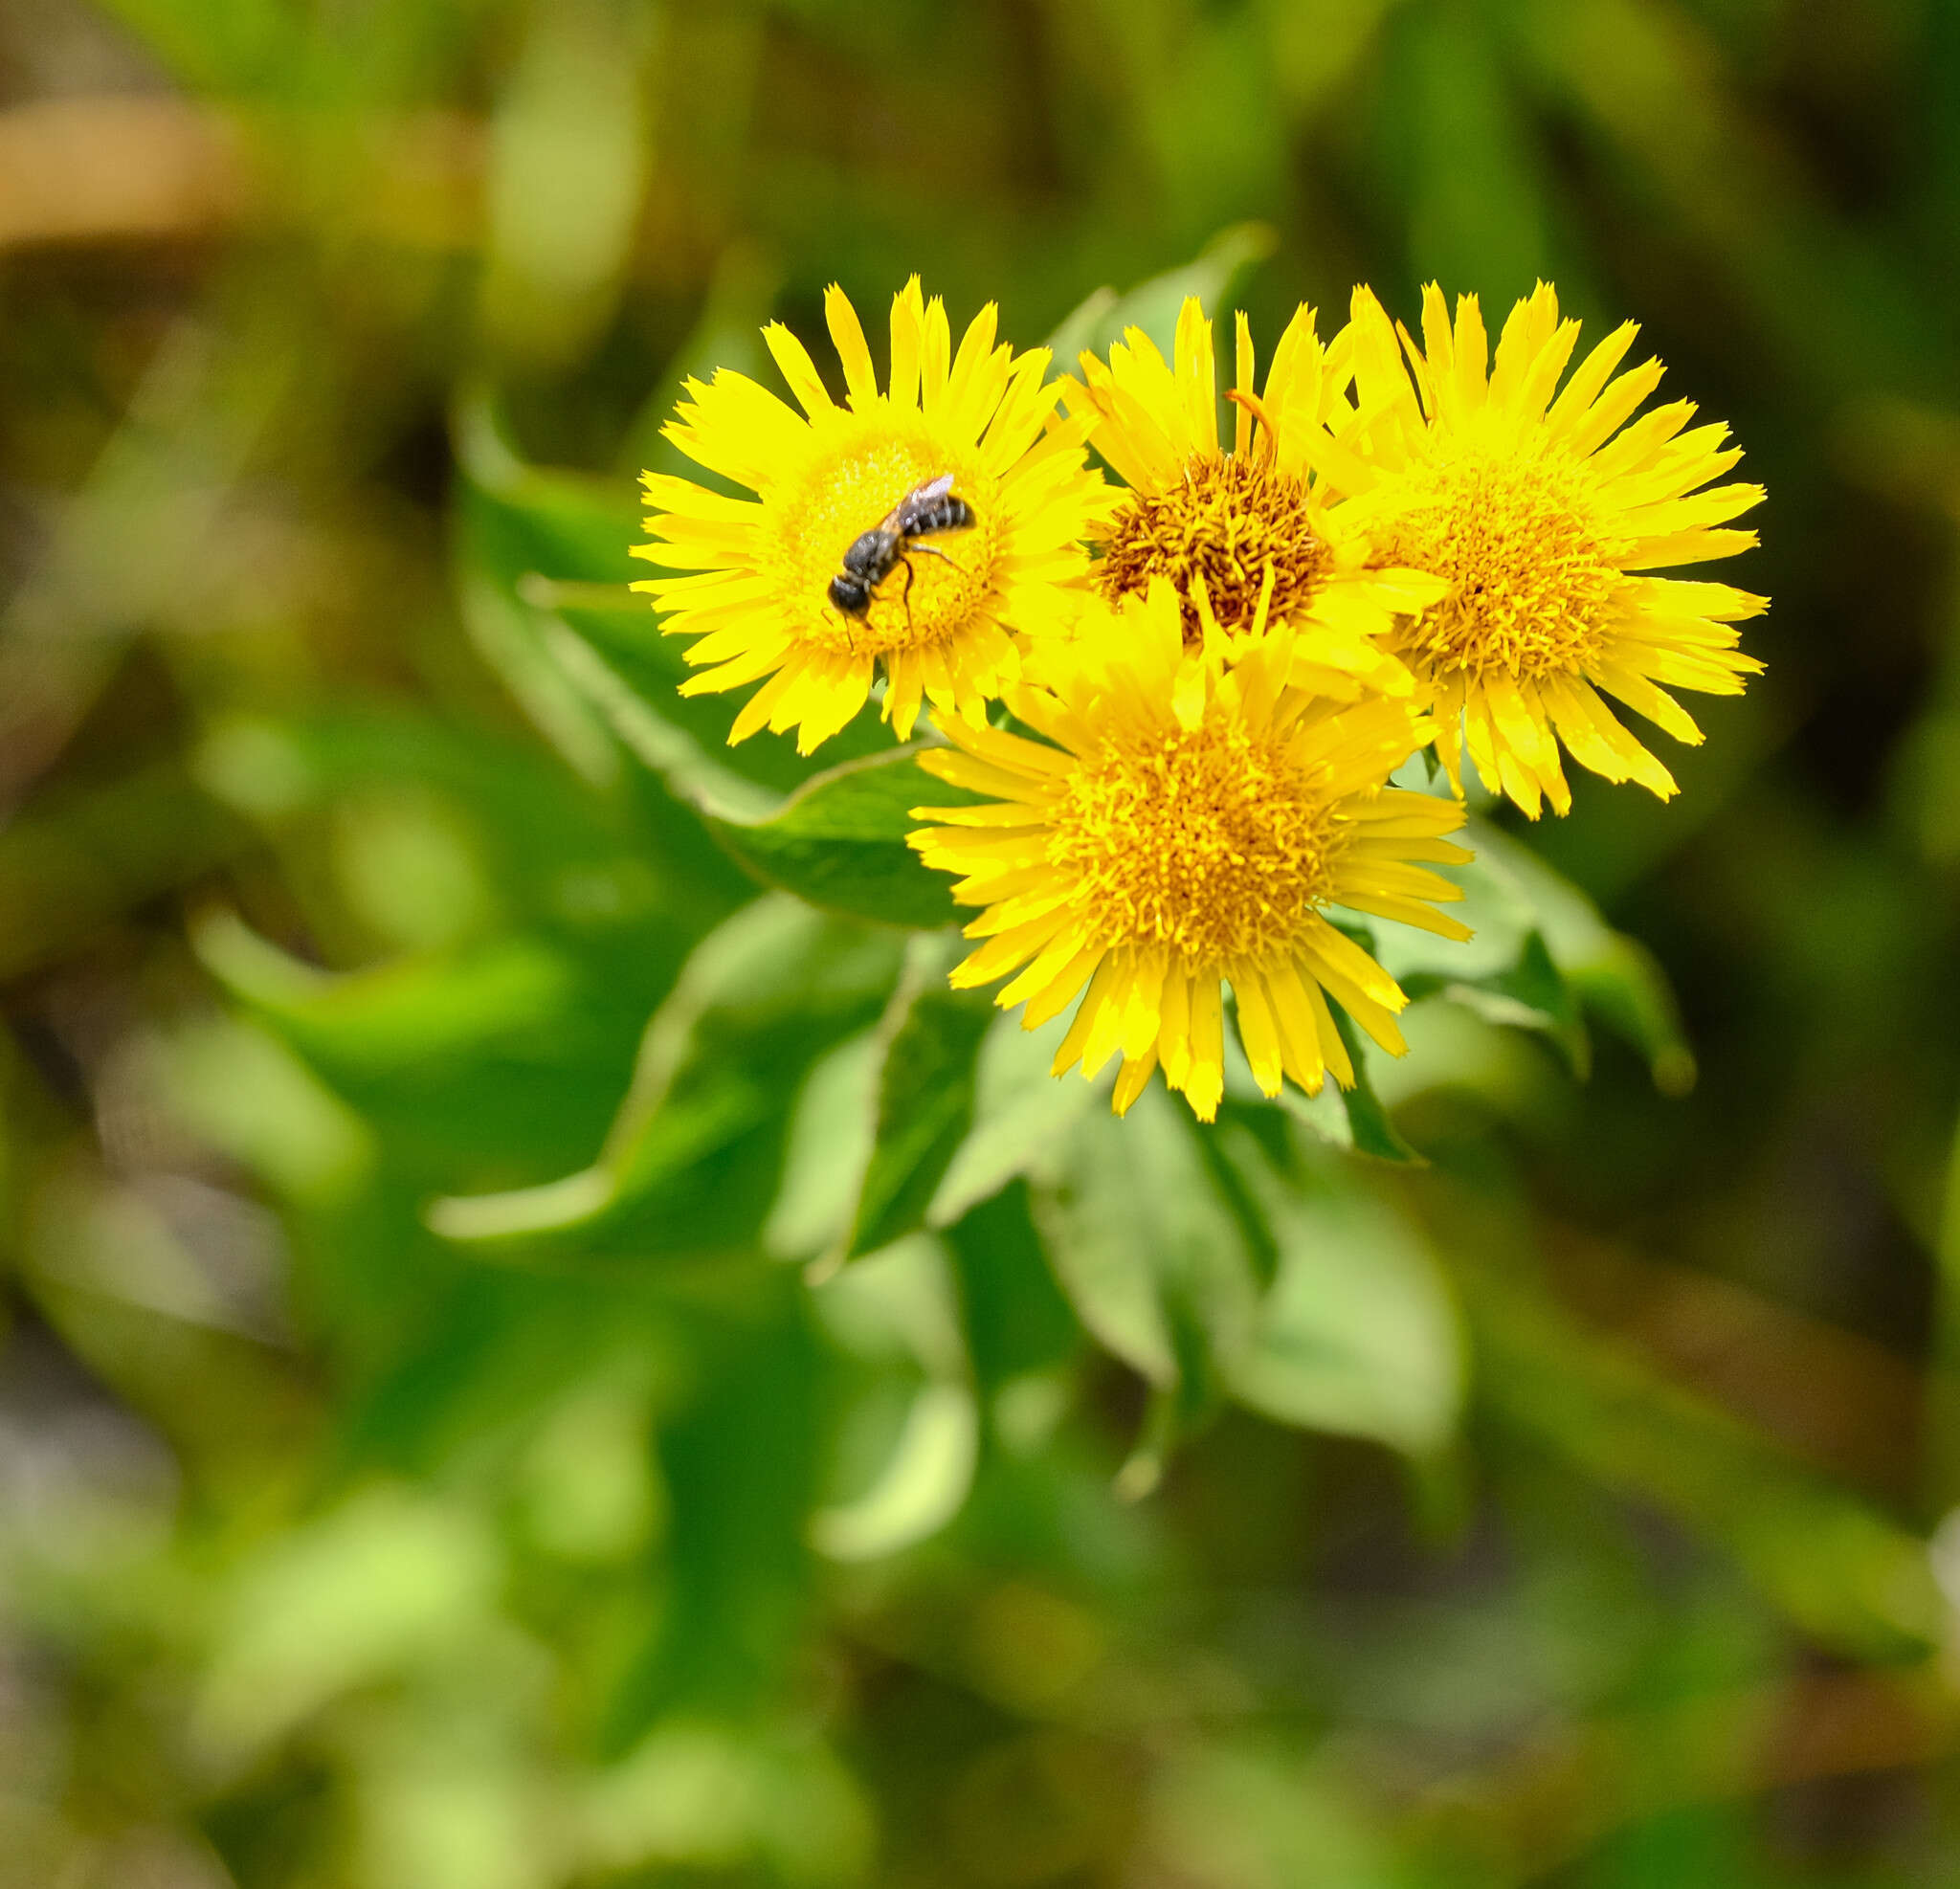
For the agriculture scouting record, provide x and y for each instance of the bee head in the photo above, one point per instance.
(850, 594)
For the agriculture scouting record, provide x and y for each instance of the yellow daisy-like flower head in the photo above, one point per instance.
(1189, 821)
(1244, 537)
(943, 617)
(1544, 513)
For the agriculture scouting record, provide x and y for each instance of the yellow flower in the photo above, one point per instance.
(1243, 536)
(757, 570)
(1187, 822)
(1545, 517)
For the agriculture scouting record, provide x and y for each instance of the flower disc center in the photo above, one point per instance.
(852, 481)
(1205, 840)
(1230, 521)
(1531, 574)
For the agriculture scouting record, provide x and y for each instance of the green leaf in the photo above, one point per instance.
(1541, 957)
(1504, 973)
(695, 1153)
(925, 1102)
(1017, 1322)
(588, 866)
(1615, 977)
(1354, 1119)
(829, 1139)
(543, 561)
(727, 337)
(494, 1058)
(1529, 994)
(237, 49)
(1357, 1332)
(883, 1118)
(900, 1307)
(513, 523)
(609, 645)
(1159, 1231)
(1102, 317)
(922, 1486)
(740, 1461)
(1623, 984)
(1368, 1121)
(515, 518)
(399, 1015)
(470, 1350)
(700, 775)
(839, 843)
(1146, 1249)
(1474, 195)
(1022, 1116)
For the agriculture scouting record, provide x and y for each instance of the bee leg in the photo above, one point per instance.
(933, 551)
(906, 594)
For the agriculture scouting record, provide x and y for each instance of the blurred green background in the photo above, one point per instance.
(1159, 1510)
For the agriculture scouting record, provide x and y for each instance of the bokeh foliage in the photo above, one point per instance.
(532, 1359)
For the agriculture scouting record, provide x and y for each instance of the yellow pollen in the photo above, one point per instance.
(1206, 841)
(1230, 521)
(1530, 573)
(851, 482)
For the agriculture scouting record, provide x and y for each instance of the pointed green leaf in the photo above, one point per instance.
(1615, 977)
(1529, 994)
(1022, 1116)
(1356, 1333)
(899, 1308)
(1103, 316)
(516, 518)
(1368, 1121)
(609, 644)
(924, 1105)
(696, 1152)
(839, 843)
(1146, 1249)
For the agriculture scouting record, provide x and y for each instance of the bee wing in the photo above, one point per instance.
(921, 496)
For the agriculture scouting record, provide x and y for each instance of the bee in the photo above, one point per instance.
(873, 555)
